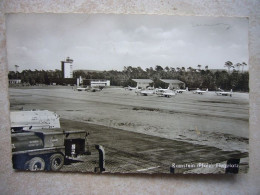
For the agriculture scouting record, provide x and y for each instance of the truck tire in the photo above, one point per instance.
(56, 161)
(36, 164)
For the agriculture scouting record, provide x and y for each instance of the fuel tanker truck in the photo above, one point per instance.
(38, 142)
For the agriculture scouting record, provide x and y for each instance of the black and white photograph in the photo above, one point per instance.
(125, 93)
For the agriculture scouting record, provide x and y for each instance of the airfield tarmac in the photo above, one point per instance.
(147, 133)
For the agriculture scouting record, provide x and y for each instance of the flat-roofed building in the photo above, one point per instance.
(96, 82)
(143, 83)
(14, 81)
(174, 83)
(99, 83)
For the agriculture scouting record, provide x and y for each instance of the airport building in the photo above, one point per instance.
(66, 68)
(99, 83)
(96, 82)
(143, 83)
(14, 81)
(174, 84)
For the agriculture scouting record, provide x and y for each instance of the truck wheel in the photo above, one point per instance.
(36, 164)
(56, 161)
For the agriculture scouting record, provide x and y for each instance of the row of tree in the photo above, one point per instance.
(193, 78)
(230, 65)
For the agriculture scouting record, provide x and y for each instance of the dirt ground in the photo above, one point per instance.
(214, 128)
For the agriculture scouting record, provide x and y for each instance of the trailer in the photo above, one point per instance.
(37, 148)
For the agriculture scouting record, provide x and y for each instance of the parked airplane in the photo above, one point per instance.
(168, 93)
(224, 93)
(91, 89)
(131, 88)
(82, 89)
(150, 88)
(198, 91)
(181, 90)
(145, 92)
(160, 91)
(94, 89)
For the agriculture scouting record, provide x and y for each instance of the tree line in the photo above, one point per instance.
(193, 78)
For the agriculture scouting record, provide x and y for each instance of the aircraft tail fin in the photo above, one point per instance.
(207, 90)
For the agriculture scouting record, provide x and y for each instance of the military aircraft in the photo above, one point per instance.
(224, 93)
(181, 90)
(168, 93)
(91, 89)
(160, 91)
(198, 91)
(95, 89)
(145, 92)
(82, 88)
(130, 88)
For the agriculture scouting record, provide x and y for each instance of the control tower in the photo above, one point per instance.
(66, 68)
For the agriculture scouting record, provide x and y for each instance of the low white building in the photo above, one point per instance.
(99, 83)
(15, 81)
(143, 83)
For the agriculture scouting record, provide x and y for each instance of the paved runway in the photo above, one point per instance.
(131, 152)
(147, 134)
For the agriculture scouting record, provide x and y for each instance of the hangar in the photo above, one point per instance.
(143, 83)
(174, 83)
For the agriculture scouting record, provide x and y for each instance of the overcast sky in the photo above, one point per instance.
(106, 42)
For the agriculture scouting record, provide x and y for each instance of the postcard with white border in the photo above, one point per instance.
(109, 93)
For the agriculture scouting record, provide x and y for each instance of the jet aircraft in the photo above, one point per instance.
(181, 90)
(82, 89)
(168, 93)
(131, 88)
(201, 92)
(224, 93)
(160, 91)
